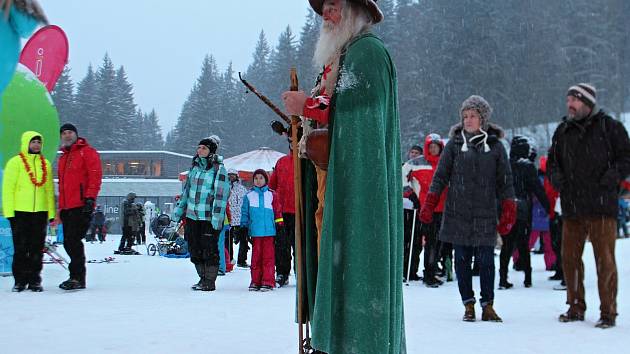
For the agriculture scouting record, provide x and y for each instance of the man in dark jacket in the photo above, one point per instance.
(588, 158)
(98, 225)
(130, 222)
(526, 183)
(80, 173)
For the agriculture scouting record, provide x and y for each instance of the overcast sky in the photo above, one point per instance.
(162, 43)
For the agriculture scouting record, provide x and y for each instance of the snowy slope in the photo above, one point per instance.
(143, 305)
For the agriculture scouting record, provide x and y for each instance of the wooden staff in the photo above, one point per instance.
(297, 180)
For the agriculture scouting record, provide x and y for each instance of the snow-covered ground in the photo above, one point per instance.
(144, 304)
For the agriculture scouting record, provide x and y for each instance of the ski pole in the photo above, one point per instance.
(413, 234)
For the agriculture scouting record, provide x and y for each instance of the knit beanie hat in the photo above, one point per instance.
(68, 126)
(212, 142)
(480, 105)
(585, 93)
(262, 172)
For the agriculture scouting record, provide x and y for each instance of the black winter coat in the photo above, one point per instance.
(587, 160)
(477, 181)
(526, 181)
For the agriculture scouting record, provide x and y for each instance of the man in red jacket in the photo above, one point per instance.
(433, 146)
(79, 172)
(281, 181)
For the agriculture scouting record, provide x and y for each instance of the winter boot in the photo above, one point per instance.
(210, 273)
(36, 287)
(282, 280)
(488, 314)
(72, 284)
(18, 287)
(469, 313)
(503, 282)
(571, 316)
(264, 288)
(254, 287)
(605, 322)
(448, 264)
(528, 279)
(199, 269)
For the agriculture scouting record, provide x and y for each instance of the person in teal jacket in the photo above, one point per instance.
(203, 202)
(18, 19)
(261, 215)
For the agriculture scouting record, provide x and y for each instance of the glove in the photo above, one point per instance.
(426, 213)
(508, 216)
(414, 199)
(610, 179)
(89, 206)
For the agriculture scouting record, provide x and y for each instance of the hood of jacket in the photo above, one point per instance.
(26, 140)
(494, 131)
(432, 138)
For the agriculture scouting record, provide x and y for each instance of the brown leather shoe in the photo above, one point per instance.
(469, 314)
(488, 314)
(571, 316)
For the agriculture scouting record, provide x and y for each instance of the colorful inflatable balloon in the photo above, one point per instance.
(26, 105)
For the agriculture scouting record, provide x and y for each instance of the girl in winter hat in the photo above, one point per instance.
(261, 217)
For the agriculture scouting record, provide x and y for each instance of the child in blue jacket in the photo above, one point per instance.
(261, 214)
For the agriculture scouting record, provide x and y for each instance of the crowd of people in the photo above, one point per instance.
(455, 199)
(575, 193)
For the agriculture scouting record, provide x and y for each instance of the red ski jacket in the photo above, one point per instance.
(424, 175)
(80, 173)
(281, 181)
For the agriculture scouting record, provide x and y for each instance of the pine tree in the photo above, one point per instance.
(256, 113)
(86, 102)
(307, 71)
(105, 130)
(199, 118)
(282, 59)
(127, 122)
(63, 97)
(151, 132)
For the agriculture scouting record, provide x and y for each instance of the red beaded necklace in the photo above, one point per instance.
(30, 173)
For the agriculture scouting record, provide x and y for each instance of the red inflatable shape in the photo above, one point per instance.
(46, 54)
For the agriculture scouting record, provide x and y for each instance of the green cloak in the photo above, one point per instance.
(358, 305)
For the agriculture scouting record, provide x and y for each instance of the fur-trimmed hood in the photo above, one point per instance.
(494, 130)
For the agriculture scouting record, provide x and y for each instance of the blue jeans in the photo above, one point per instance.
(484, 255)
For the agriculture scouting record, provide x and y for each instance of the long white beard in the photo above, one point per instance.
(332, 38)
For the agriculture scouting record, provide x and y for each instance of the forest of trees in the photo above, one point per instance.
(520, 55)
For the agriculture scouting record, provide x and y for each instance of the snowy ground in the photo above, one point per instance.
(143, 304)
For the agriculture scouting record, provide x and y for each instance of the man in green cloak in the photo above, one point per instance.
(354, 287)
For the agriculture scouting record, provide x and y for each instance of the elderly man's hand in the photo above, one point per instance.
(294, 102)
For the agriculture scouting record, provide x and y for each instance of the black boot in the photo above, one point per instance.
(36, 287)
(210, 273)
(18, 287)
(528, 278)
(199, 269)
(503, 282)
(72, 284)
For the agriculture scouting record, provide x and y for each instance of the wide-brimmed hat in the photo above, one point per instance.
(377, 15)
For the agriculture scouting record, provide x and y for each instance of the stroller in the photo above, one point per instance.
(167, 238)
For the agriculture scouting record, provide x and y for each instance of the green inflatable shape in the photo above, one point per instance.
(26, 105)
